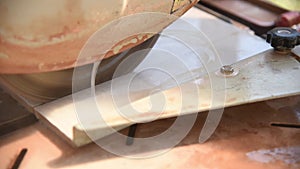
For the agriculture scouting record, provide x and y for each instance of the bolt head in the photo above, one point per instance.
(227, 70)
(283, 39)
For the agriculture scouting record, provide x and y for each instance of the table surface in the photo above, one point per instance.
(244, 139)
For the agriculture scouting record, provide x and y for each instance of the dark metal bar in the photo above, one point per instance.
(19, 158)
(286, 125)
(131, 134)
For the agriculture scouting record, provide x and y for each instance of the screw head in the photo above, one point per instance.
(227, 70)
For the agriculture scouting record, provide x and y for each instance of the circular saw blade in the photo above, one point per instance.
(44, 87)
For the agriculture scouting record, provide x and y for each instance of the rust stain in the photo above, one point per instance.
(171, 99)
(128, 43)
(150, 114)
(276, 71)
(205, 105)
(261, 65)
(230, 100)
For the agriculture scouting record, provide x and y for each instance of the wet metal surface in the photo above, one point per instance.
(244, 139)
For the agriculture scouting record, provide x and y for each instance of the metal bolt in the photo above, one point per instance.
(283, 39)
(227, 70)
(284, 32)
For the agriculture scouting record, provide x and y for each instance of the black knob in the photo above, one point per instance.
(283, 38)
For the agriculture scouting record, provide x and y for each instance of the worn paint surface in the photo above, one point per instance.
(48, 35)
